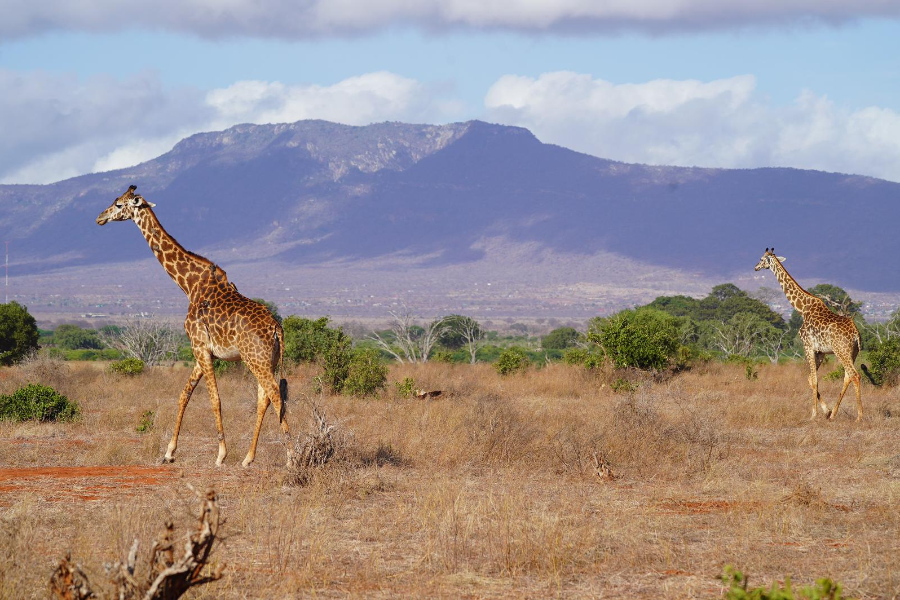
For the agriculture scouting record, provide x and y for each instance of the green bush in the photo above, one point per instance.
(128, 366)
(73, 337)
(885, 361)
(560, 338)
(643, 338)
(18, 333)
(406, 387)
(307, 340)
(512, 360)
(587, 358)
(37, 402)
(624, 386)
(336, 362)
(146, 423)
(366, 373)
(825, 589)
(444, 356)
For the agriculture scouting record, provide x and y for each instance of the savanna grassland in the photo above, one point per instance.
(490, 490)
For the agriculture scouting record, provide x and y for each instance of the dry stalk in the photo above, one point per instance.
(311, 450)
(168, 577)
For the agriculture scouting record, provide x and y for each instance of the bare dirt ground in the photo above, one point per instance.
(490, 490)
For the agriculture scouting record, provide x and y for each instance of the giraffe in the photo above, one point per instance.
(221, 323)
(823, 332)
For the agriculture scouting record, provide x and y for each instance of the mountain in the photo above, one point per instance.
(466, 198)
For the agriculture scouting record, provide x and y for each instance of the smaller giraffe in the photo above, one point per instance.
(823, 332)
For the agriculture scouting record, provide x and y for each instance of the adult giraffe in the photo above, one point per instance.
(823, 332)
(221, 323)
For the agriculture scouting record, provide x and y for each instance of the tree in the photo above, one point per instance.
(643, 338)
(150, 340)
(740, 335)
(306, 340)
(18, 333)
(407, 341)
(73, 337)
(462, 332)
(560, 338)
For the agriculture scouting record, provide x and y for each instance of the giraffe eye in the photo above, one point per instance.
(118, 205)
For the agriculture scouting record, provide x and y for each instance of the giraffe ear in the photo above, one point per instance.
(781, 258)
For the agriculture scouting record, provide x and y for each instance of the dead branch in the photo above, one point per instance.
(311, 450)
(168, 577)
(69, 582)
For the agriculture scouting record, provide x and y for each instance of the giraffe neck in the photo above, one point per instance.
(190, 271)
(796, 295)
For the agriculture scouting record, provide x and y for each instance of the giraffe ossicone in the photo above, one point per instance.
(823, 332)
(221, 323)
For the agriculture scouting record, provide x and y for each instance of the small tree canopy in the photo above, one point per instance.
(18, 333)
(560, 338)
(643, 338)
(73, 337)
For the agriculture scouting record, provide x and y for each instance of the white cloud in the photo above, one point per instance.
(312, 18)
(359, 100)
(722, 123)
(55, 127)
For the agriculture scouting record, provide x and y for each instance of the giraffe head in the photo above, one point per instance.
(768, 260)
(124, 207)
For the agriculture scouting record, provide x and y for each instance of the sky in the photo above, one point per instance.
(98, 85)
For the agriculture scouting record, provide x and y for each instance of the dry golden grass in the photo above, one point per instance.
(490, 490)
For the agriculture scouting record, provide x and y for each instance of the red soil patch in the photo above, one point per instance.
(55, 484)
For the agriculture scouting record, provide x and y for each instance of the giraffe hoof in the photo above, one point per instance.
(168, 460)
(246, 462)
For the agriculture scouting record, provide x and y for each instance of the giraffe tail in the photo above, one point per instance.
(865, 371)
(282, 384)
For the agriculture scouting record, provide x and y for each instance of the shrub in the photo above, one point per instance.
(336, 362)
(128, 366)
(306, 340)
(512, 360)
(146, 423)
(560, 339)
(624, 386)
(643, 338)
(37, 402)
(18, 333)
(366, 373)
(587, 358)
(73, 337)
(825, 589)
(444, 356)
(406, 387)
(885, 360)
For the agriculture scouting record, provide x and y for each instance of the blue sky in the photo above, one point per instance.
(794, 83)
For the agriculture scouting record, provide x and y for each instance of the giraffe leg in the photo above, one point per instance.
(267, 393)
(189, 387)
(206, 363)
(850, 374)
(814, 359)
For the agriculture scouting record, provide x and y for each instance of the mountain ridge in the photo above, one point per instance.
(314, 192)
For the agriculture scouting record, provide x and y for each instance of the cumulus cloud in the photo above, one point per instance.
(57, 126)
(312, 18)
(722, 123)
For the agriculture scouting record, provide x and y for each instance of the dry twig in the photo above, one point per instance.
(167, 578)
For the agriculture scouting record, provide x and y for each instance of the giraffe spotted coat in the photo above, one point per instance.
(221, 323)
(823, 332)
